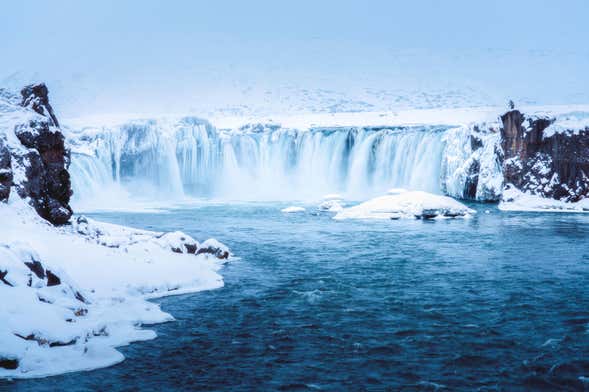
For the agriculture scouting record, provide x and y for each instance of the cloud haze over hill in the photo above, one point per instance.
(263, 56)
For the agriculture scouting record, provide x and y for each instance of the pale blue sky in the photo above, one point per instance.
(109, 56)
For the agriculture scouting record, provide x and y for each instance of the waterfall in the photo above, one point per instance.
(190, 157)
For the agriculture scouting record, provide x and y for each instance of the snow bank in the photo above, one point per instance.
(569, 123)
(409, 205)
(516, 200)
(71, 295)
(292, 209)
(333, 196)
(396, 191)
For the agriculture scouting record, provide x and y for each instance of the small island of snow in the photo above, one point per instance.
(407, 205)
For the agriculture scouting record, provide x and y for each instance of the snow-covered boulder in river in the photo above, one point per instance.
(516, 200)
(408, 205)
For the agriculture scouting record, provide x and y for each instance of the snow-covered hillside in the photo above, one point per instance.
(70, 294)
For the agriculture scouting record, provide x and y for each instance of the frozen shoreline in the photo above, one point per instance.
(101, 300)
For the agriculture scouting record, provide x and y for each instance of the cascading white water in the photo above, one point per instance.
(189, 157)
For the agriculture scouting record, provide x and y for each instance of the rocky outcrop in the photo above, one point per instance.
(36, 97)
(552, 165)
(45, 161)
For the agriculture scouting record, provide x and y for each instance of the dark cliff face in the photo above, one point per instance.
(556, 166)
(45, 161)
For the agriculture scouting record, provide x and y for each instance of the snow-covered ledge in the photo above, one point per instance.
(70, 295)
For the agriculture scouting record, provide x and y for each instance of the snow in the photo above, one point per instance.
(292, 209)
(516, 200)
(333, 205)
(570, 123)
(333, 196)
(460, 158)
(106, 274)
(396, 191)
(407, 205)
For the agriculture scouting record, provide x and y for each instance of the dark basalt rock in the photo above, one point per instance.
(2, 278)
(8, 363)
(47, 183)
(5, 171)
(190, 248)
(217, 252)
(37, 268)
(36, 97)
(555, 167)
(46, 342)
(472, 180)
(52, 279)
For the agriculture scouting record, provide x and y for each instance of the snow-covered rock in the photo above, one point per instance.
(214, 247)
(38, 162)
(516, 200)
(410, 205)
(546, 156)
(292, 209)
(70, 295)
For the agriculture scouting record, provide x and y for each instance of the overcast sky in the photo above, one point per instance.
(108, 56)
